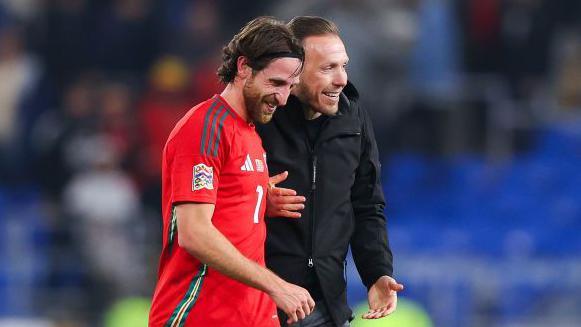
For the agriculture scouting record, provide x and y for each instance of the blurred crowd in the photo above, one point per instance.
(89, 91)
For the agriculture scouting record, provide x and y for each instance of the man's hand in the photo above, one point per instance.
(382, 298)
(282, 202)
(294, 300)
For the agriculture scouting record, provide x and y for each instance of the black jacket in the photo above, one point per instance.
(340, 177)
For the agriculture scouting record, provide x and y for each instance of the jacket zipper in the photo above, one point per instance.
(313, 151)
(310, 262)
(314, 180)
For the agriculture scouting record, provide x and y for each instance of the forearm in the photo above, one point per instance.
(370, 242)
(200, 238)
(370, 248)
(210, 246)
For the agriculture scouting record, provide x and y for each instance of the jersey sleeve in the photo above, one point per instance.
(199, 152)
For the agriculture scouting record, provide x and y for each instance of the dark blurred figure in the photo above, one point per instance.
(527, 35)
(57, 132)
(196, 32)
(480, 22)
(62, 38)
(19, 73)
(239, 12)
(117, 120)
(126, 37)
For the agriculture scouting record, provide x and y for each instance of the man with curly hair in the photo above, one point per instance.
(214, 179)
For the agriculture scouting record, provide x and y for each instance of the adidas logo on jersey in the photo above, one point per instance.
(247, 166)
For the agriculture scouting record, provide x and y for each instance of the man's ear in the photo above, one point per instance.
(244, 71)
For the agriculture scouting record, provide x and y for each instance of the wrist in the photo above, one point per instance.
(271, 282)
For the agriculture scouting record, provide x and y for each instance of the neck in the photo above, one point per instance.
(310, 114)
(235, 98)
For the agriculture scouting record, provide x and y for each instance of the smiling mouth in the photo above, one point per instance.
(332, 95)
(270, 107)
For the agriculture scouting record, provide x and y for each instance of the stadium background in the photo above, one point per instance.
(476, 105)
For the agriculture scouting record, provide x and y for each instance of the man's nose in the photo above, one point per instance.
(282, 96)
(340, 79)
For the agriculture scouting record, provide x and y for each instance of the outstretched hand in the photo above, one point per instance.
(283, 202)
(382, 298)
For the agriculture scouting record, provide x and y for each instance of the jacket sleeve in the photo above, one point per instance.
(369, 242)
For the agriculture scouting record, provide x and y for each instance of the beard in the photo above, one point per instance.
(256, 103)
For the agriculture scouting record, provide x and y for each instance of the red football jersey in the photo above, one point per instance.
(213, 156)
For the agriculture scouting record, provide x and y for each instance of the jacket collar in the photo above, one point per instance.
(351, 92)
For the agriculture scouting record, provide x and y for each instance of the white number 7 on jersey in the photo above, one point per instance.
(260, 192)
